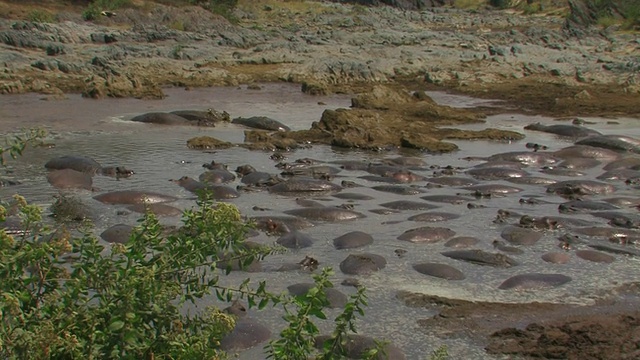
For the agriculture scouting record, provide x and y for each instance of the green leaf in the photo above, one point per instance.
(116, 325)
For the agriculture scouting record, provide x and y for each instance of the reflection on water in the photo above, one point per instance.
(99, 129)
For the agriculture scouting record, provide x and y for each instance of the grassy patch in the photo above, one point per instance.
(41, 16)
(469, 4)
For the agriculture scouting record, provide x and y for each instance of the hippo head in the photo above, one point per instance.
(117, 171)
(245, 169)
(214, 165)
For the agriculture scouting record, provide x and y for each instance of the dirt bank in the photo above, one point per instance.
(531, 61)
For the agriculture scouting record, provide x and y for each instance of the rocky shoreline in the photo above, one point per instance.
(536, 62)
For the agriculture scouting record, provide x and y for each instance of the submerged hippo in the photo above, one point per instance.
(399, 189)
(613, 142)
(70, 179)
(585, 151)
(203, 118)
(164, 118)
(563, 130)
(520, 236)
(442, 271)
(119, 233)
(304, 185)
(408, 205)
(246, 334)
(261, 122)
(362, 264)
(427, 235)
(528, 158)
(130, 197)
(325, 214)
(336, 298)
(496, 173)
(280, 224)
(218, 192)
(580, 187)
(534, 281)
(357, 347)
(86, 165)
(353, 239)
(481, 257)
(295, 240)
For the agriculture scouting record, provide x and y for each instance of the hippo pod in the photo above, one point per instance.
(86, 165)
(261, 122)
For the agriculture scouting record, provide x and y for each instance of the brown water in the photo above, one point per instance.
(100, 129)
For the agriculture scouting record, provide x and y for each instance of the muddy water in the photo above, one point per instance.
(100, 129)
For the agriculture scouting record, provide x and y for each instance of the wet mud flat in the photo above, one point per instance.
(414, 203)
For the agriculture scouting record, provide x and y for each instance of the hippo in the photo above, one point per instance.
(130, 197)
(573, 131)
(531, 180)
(86, 165)
(261, 122)
(481, 257)
(353, 196)
(452, 181)
(217, 176)
(297, 185)
(164, 118)
(579, 163)
(442, 271)
(351, 240)
(559, 171)
(362, 264)
(325, 214)
(70, 179)
(556, 257)
(119, 233)
(427, 235)
(492, 189)
(357, 346)
(447, 199)
(351, 164)
(534, 281)
(460, 242)
(408, 205)
(607, 232)
(246, 334)
(577, 206)
(496, 173)
(156, 209)
(615, 249)
(398, 189)
(250, 176)
(295, 240)
(612, 142)
(280, 224)
(580, 187)
(405, 161)
(520, 236)
(625, 163)
(433, 216)
(316, 172)
(336, 298)
(619, 174)
(203, 118)
(502, 246)
(595, 256)
(528, 158)
(585, 151)
(218, 192)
